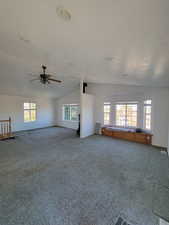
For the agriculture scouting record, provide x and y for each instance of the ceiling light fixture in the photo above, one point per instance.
(108, 58)
(112, 59)
(125, 75)
(63, 13)
(22, 38)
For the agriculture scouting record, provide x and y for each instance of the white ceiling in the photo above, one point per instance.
(110, 41)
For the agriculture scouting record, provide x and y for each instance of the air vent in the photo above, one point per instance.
(63, 13)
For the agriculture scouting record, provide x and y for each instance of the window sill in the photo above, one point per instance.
(70, 121)
(30, 121)
(125, 127)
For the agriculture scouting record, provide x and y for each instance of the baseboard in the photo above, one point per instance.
(33, 129)
(64, 127)
(160, 148)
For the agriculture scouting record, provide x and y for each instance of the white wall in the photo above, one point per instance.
(13, 106)
(87, 115)
(114, 93)
(168, 138)
(72, 98)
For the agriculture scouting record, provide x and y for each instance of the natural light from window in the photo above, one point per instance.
(126, 114)
(29, 112)
(70, 112)
(107, 113)
(147, 114)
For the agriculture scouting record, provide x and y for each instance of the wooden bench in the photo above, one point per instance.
(140, 137)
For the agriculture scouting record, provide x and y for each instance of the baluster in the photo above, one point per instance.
(1, 129)
(4, 129)
(10, 129)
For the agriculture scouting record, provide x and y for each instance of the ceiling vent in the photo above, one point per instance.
(22, 38)
(63, 13)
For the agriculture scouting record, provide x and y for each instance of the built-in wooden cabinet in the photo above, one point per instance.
(144, 138)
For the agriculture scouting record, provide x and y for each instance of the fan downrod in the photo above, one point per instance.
(44, 68)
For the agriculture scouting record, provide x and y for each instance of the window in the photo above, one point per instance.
(106, 113)
(126, 114)
(147, 114)
(70, 112)
(29, 112)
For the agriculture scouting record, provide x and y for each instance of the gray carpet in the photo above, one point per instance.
(51, 177)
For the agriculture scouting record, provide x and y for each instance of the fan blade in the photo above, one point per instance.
(32, 75)
(59, 81)
(49, 75)
(34, 80)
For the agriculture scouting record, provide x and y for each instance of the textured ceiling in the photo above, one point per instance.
(110, 41)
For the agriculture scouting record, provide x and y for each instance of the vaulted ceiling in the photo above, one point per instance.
(110, 41)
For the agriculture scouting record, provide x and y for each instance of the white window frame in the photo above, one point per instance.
(30, 109)
(145, 114)
(63, 112)
(126, 103)
(106, 104)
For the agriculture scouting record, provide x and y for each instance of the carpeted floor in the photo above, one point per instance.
(51, 177)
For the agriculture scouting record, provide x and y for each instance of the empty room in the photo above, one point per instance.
(84, 112)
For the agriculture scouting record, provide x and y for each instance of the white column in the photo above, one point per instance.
(168, 139)
(87, 115)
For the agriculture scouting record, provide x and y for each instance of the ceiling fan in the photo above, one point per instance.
(46, 78)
